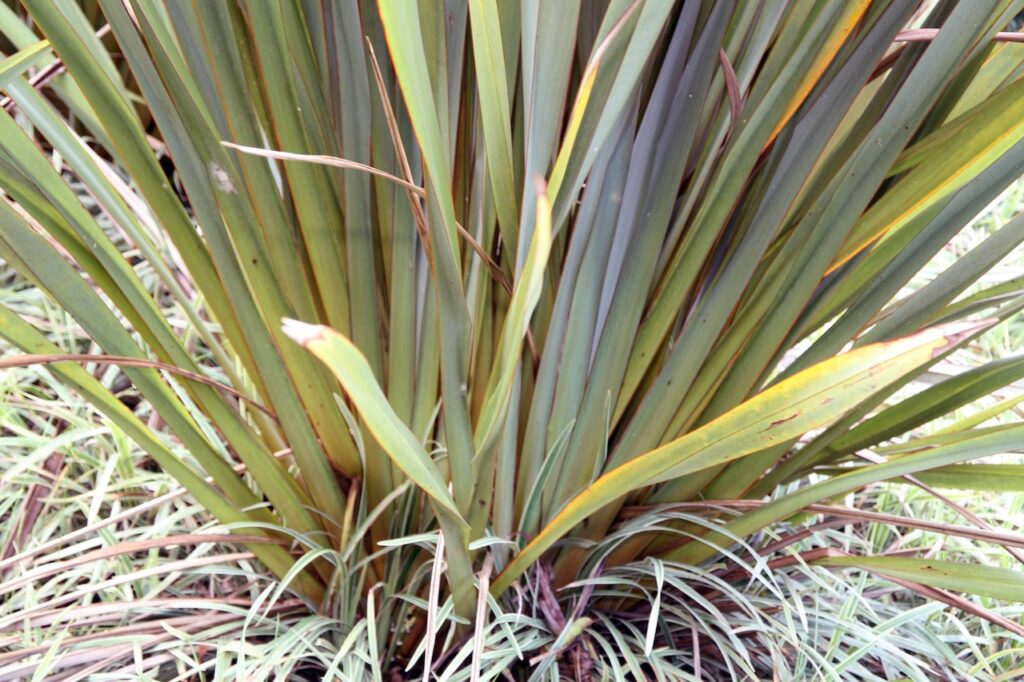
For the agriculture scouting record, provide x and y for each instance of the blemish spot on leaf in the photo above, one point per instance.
(777, 422)
(221, 179)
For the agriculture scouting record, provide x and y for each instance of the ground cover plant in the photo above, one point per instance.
(471, 302)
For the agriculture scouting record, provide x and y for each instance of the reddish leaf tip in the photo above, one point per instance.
(955, 332)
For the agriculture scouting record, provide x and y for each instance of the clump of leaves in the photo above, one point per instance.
(561, 259)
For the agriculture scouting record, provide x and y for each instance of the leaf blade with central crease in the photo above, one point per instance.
(359, 382)
(985, 581)
(354, 372)
(805, 401)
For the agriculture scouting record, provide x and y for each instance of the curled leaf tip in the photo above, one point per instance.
(301, 332)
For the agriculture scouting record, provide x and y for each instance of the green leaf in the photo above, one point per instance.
(981, 445)
(352, 370)
(1000, 478)
(21, 61)
(984, 581)
(406, 43)
(494, 413)
(517, 322)
(950, 166)
(805, 401)
(933, 402)
(359, 382)
(227, 511)
(495, 113)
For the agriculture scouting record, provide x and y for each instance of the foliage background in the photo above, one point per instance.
(771, 222)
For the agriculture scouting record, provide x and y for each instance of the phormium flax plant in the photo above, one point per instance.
(519, 270)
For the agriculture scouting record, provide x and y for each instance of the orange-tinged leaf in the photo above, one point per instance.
(843, 28)
(579, 107)
(807, 400)
(949, 164)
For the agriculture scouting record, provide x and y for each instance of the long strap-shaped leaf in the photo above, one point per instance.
(986, 581)
(983, 444)
(495, 117)
(931, 403)
(19, 62)
(497, 398)
(1002, 478)
(803, 402)
(352, 369)
(517, 321)
(997, 128)
(277, 559)
(354, 372)
(402, 29)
